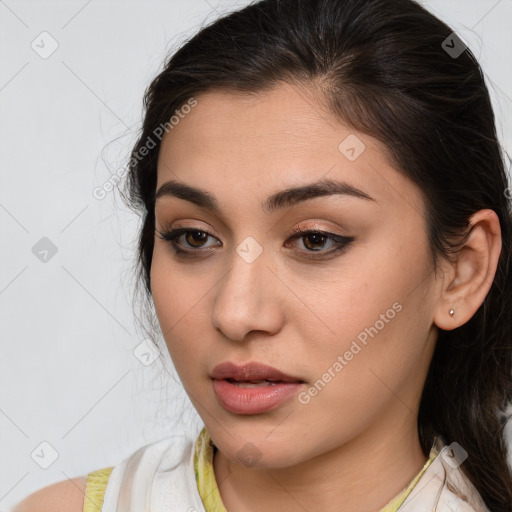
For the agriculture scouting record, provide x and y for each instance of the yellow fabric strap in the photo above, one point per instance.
(395, 503)
(209, 492)
(205, 475)
(95, 489)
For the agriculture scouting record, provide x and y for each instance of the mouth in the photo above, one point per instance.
(252, 388)
(251, 373)
(252, 383)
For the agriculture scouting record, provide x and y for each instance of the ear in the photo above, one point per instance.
(466, 282)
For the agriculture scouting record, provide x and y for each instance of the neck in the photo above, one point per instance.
(363, 474)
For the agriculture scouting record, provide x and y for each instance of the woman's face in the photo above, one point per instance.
(346, 315)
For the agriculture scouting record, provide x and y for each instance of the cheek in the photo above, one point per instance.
(359, 374)
(176, 290)
(181, 303)
(163, 289)
(169, 294)
(373, 314)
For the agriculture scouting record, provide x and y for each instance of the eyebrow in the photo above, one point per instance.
(282, 199)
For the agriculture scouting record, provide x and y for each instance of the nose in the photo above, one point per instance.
(249, 298)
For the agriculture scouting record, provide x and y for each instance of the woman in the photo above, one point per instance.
(326, 241)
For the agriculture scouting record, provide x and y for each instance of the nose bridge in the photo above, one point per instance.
(244, 301)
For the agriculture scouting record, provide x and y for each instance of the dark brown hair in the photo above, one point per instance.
(383, 67)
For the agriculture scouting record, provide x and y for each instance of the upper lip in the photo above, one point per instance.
(251, 371)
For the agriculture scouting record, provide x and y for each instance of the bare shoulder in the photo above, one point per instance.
(65, 496)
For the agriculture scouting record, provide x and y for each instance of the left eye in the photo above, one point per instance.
(314, 241)
(315, 238)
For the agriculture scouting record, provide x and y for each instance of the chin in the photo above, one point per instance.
(259, 452)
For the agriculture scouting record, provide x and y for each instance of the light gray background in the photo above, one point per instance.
(68, 373)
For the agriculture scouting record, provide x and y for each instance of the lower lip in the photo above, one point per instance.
(242, 400)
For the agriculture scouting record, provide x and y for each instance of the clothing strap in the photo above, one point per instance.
(95, 489)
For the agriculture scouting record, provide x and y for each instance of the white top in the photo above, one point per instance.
(160, 477)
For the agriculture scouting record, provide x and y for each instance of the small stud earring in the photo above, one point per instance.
(452, 311)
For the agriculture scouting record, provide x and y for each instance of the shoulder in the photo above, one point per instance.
(167, 462)
(64, 496)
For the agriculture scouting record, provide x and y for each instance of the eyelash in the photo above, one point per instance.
(342, 241)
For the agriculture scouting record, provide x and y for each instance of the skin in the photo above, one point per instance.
(64, 496)
(355, 445)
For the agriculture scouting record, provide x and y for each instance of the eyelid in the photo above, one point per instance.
(313, 226)
(210, 231)
(307, 226)
(317, 227)
(341, 242)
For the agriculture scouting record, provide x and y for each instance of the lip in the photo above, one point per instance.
(252, 400)
(250, 371)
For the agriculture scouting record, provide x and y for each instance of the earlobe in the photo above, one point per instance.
(472, 274)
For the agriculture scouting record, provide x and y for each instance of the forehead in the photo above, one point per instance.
(279, 119)
(279, 137)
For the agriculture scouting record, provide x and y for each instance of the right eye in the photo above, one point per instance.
(192, 237)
